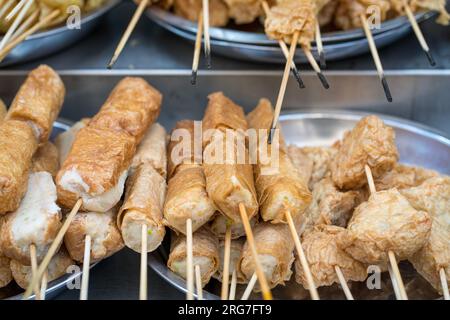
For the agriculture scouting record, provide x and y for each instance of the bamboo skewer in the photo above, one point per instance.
(126, 35)
(267, 295)
(233, 285)
(40, 24)
(343, 283)
(15, 10)
(33, 258)
(391, 255)
(418, 33)
(397, 293)
(198, 282)
(86, 265)
(207, 41)
(321, 52)
(44, 285)
(143, 277)
(226, 264)
(316, 68)
(25, 25)
(250, 286)
(376, 58)
(15, 23)
(301, 254)
(444, 284)
(5, 7)
(198, 44)
(53, 248)
(190, 261)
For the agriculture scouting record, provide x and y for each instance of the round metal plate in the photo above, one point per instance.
(320, 129)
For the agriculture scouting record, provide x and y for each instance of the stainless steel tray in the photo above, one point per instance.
(415, 142)
(47, 42)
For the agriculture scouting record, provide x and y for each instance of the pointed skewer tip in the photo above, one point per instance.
(386, 89)
(430, 58)
(322, 61)
(324, 80)
(194, 77)
(297, 77)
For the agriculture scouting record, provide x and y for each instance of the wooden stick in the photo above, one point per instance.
(40, 24)
(53, 248)
(376, 57)
(143, 278)
(301, 254)
(198, 44)
(284, 81)
(44, 285)
(33, 258)
(316, 68)
(370, 179)
(285, 50)
(250, 286)
(15, 24)
(5, 7)
(126, 35)
(321, 52)
(15, 10)
(190, 261)
(394, 283)
(343, 282)
(418, 33)
(25, 25)
(226, 264)
(86, 265)
(444, 283)
(233, 285)
(198, 282)
(207, 42)
(267, 295)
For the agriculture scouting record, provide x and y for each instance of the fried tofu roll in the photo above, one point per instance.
(36, 221)
(205, 252)
(323, 255)
(152, 150)
(5, 270)
(235, 254)
(39, 101)
(132, 106)
(228, 183)
(46, 159)
(220, 222)
(101, 227)
(386, 222)
(301, 162)
(189, 9)
(17, 145)
(279, 186)
(402, 177)
(96, 169)
(244, 11)
(2, 110)
(186, 192)
(434, 197)
(57, 267)
(275, 252)
(143, 205)
(65, 140)
(370, 142)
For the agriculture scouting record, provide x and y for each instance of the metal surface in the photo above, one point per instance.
(321, 129)
(166, 18)
(47, 42)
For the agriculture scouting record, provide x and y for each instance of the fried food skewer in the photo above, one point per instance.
(6, 38)
(198, 282)
(250, 286)
(86, 264)
(5, 7)
(26, 24)
(15, 10)
(207, 41)
(233, 285)
(143, 276)
(33, 257)
(226, 264)
(190, 261)
(322, 61)
(198, 43)
(343, 283)
(443, 278)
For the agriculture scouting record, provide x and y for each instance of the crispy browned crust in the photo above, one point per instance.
(243, 12)
(132, 106)
(5, 270)
(189, 9)
(2, 110)
(236, 246)
(100, 156)
(402, 176)
(39, 100)
(301, 162)
(46, 159)
(17, 145)
(74, 239)
(177, 147)
(204, 244)
(57, 268)
(274, 240)
(146, 191)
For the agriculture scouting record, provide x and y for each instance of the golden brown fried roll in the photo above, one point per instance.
(57, 267)
(301, 162)
(244, 11)
(402, 177)
(132, 107)
(17, 145)
(321, 158)
(235, 254)
(189, 9)
(323, 255)
(95, 169)
(5, 270)
(279, 187)
(2, 110)
(205, 252)
(326, 12)
(348, 12)
(370, 143)
(143, 204)
(220, 222)
(39, 101)
(36, 221)
(152, 150)
(434, 197)
(46, 159)
(65, 140)
(275, 252)
(105, 236)
(386, 222)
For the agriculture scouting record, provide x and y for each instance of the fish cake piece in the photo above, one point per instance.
(402, 177)
(65, 139)
(189, 9)
(244, 11)
(46, 159)
(220, 222)
(236, 246)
